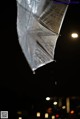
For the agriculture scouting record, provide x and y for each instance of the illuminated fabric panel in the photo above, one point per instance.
(38, 25)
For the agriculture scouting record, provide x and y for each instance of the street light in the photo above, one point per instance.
(72, 111)
(74, 35)
(55, 103)
(47, 98)
(20, 118)
(38, 114)
(53, 117)
(63, 107)
(46, 115)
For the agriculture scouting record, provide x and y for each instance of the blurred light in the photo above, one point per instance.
(38, 114)
(46, 115)
(20, 118)
(74, 35)
(57, 115)
(63, 107)
(34, 72)
(47, 98)
(68, 104)
(53, 117)
(60, 102)
(49, 110)
(72, 111)
(19, 112)
(55, 103)
(55, 82)
(79, 113)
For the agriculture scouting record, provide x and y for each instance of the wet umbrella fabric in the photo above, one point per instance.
(38, 25)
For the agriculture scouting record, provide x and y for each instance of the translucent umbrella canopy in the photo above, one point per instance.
(38, 26)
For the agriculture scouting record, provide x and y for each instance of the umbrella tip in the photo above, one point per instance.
(55, 82)
(54, 60)
(34, 72)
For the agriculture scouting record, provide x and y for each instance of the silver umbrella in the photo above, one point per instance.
(38, 25)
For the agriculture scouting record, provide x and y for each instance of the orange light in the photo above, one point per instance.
(72, 111)
(49, 110)
(57, 115)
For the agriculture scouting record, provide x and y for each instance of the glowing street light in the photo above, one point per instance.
(72, 111)
(47, 98)
(74, 35)
(20, 118)
(46, 115)
(38, 114)
(63, 107)
(53, 117)
(55, 103)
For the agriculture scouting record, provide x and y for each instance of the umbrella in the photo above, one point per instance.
(38, 26)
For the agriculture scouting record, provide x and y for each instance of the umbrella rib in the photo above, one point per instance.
(43, 48)
(43, 24)
(23, 7)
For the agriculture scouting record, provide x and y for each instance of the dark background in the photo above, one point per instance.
(17, 81)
